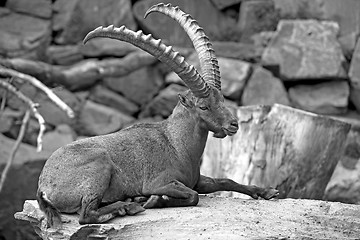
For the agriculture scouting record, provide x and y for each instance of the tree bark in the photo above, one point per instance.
(279, 146)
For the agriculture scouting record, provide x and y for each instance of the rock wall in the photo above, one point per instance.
(304, 54)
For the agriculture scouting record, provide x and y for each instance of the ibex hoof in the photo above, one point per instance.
(133, 208)
(269, 193)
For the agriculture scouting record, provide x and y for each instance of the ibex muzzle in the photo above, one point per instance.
(153, 164)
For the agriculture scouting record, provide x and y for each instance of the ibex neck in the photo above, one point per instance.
(187, 133)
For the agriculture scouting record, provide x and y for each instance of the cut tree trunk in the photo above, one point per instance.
(279, 146)
(215, 218)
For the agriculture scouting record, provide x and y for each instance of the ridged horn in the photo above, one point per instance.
(208, 61)
(158, 49)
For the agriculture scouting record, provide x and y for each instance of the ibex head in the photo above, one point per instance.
(204, 98)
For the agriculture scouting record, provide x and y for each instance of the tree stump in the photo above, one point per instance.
(214, 218)
(279, 146)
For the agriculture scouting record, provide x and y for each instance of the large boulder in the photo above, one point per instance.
(63, 134)
(238, 50)
(96, 119)
(234, 74)
(75, 18)
(64, 54)
(165, 28)
(99, 47)
(23, 35)
(264, 88)
(164, 103)
(256, 16)
(139, 86)
(344, 185)
(215, 218)
(324, 98)
(105, 96)
(36, 8)
(306, 49)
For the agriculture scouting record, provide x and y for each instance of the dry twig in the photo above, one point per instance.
(33, 106)
(15, 147)
(41, 86)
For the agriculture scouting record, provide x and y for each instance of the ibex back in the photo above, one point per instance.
(153, 164)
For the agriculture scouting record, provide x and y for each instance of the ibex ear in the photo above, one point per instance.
(185, 101)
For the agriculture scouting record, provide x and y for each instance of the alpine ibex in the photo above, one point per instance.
(155, 164)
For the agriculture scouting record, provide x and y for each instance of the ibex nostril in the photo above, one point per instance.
(235, 124)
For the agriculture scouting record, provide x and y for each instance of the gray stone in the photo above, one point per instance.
(164, 103)
(27, 89)
(346, 13)
(23, 35)
(31, 132)
(216, 218)
(75, 18)
(86, 73)
(221, 4)
(8, 118)
(105, 96)
(60, 136)
(354, 71)
(37, 8)
(264, 88)
(355, 98)
(256, 16)
(139, 86)
(344, 184)
(348, 44)
(234, 74)
(52, 114)
(106, 47)
(96, 119)
(238, 50)
(64, 55)
(165, 28)
(306, 49)
(324, 98)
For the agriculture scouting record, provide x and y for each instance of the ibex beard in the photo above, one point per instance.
(154, 164)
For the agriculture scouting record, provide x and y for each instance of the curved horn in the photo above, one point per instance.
(203, 47)
(165, 54)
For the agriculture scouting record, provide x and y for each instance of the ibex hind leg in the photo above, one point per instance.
(209, 185)
(90, 213)
(174, 194)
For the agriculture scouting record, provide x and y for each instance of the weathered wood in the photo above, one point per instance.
(84, 73)
(215, 218)
(289, 149)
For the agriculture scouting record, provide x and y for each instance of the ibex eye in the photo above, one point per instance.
(203, 108)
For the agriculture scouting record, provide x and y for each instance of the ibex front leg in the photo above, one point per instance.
(210, 185)
(174, 194)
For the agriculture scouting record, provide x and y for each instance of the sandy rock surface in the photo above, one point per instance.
(216, 218)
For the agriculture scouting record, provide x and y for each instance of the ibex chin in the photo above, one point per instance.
(153, 164)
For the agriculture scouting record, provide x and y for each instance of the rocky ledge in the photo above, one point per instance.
(215, 218)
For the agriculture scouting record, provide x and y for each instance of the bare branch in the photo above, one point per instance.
(33, 106)
(9, 72)
(15, 148)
